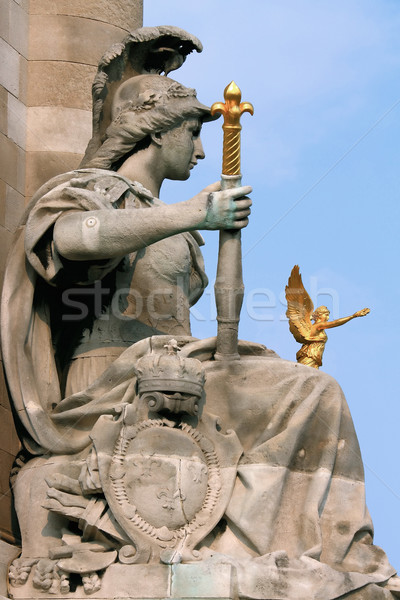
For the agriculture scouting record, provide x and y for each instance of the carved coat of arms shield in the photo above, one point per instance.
(166, 486)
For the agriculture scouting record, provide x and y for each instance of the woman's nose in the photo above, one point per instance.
(198, 149)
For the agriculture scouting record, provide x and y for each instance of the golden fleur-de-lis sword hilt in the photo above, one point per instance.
(232, 110)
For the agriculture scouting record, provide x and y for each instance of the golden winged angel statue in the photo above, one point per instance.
(300, 311)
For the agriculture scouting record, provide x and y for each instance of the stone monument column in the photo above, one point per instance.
(49, 54)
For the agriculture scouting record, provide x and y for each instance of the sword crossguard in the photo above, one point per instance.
(231, 110)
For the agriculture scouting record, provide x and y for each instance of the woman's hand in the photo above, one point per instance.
(227, 209)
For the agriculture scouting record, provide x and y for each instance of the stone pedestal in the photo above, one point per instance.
(150, 582)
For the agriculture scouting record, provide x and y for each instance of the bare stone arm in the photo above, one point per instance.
(108, 234)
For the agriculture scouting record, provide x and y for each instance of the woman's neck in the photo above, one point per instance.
(142, 167)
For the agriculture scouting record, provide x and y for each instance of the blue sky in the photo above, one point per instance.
(322, 153)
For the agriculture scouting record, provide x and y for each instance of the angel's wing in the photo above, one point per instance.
(299, 307)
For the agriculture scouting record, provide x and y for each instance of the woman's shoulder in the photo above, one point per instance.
(107, 186)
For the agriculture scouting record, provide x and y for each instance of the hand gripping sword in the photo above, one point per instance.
(229, 288)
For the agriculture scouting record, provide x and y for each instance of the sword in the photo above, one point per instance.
(229, 288)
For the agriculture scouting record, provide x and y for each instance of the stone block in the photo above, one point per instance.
(202, 580)
(4, 19)
(9, 68)
(3, 187)
(74, 39)
(18, 28)
(3, 110)
(23, 79)
(24, 4)
(16, 117)
(135, 581)
(8, 158)
(58, 83)
(12, 164)
(15, 205)
(42, 166)
(58, 129)
(127, 14)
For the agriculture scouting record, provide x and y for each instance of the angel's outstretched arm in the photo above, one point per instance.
(343, 320)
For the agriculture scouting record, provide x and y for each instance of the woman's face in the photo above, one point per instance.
(323, 316)
(181, 149)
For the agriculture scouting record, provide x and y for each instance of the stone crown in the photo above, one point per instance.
(169, 372)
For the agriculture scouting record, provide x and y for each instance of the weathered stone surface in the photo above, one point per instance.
(49, 129)
(3, 187)
(6, 507)
(201, 580)
(3, 110)
(53, 37)
(15, 204)
(137, 581)
(41, 85)
(9, 68)
(126, 14)
(25, 4)
(7, 554)
(4, 401)
(10, 437)
(18, 34)
(6, 459)
(16, 118)
(5, 243)
(4, 20)
(42, 166)
(372, 592)
(12, 164)
(7, 524)
(58, 83)
(23, 79)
